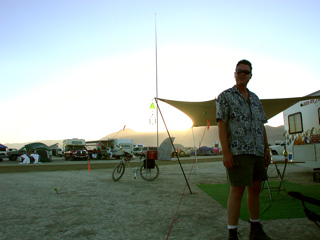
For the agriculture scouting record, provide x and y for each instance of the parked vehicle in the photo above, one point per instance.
(145, 149)
(3, 151)
(115, 146)
(75, 149)
(11, 150)
(278, 148)
(138, 145)
(302, 131)
(55, 150)
(137, 151)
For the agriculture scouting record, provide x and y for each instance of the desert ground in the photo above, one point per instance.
(90, 205)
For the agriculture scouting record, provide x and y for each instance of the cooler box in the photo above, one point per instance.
(151, 157)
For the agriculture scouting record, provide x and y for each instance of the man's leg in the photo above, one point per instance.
(253, 199)
(234, 204)
(233, 210)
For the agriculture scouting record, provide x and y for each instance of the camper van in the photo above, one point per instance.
(75, 149)
(302, 131)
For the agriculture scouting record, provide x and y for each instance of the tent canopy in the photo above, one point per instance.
(202, 112)
(3, 146)
(37, 145)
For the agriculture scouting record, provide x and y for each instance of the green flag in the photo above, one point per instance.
(152, 106)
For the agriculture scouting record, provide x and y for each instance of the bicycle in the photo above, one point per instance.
(149, 171)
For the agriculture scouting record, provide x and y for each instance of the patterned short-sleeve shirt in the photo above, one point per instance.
(245, 121)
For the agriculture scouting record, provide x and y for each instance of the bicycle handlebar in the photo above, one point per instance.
(125, 152)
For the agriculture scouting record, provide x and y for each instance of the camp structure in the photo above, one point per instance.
(166, 151)
(183, 152)
(204, 113)
(41, 149)
(204, 151)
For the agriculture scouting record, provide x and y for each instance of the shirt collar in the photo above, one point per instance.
(235, 90)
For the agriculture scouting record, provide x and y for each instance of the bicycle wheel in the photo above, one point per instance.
(118, 171)
(149, 174)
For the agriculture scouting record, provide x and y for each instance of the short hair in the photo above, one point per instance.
(245, 62)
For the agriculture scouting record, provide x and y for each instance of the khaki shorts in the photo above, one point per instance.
(247, 169)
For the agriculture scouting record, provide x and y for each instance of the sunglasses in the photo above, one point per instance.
(246, 72)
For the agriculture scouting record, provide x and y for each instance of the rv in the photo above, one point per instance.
(75, 149)
(302, 131)
(116, 146)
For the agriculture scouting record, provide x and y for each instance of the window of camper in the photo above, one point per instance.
(295, 123)
(319, 115)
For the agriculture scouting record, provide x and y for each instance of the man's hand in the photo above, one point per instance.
(228, 160)
(267, 157)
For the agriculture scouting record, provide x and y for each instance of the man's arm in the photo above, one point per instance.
(266, 147)
(223, 136)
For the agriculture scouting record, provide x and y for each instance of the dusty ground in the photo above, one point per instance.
(92, 206)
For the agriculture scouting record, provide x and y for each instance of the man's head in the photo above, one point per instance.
(245, 62)
(243, 73)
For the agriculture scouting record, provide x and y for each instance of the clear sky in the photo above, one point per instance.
(85, 69)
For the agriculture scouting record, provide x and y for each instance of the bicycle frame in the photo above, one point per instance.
(148, 174)
(133, 170)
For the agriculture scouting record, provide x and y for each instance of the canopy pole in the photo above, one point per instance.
(174, 149)
(195, 152)
(156, 48)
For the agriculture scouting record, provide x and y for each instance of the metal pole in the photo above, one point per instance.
(155, 22)
(195, 152)
(174, 149)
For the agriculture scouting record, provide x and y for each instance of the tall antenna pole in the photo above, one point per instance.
(155, 23)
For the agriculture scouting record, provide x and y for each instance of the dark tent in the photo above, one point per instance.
(41, 149)
(37, 145)
(204, 151)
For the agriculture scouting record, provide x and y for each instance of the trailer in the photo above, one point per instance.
(302, 131)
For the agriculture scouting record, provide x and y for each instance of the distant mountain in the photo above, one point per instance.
(275, 133)
(202, 137)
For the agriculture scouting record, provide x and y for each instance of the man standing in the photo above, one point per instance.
(244, 143)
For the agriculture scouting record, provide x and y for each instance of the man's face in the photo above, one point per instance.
(242, 75)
